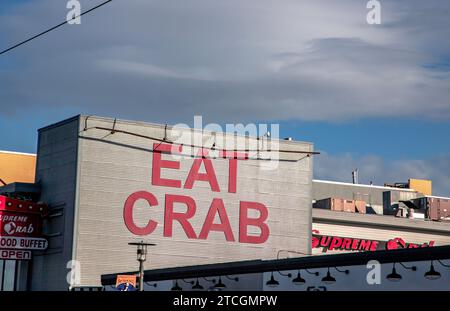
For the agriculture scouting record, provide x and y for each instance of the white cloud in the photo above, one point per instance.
(373, 168)
(137, 68)
(231, 60)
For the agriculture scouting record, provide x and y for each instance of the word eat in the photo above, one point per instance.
(217, 206)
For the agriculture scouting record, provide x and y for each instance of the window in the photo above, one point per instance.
(8, 275)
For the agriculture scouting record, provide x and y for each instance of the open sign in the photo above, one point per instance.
(14, 254)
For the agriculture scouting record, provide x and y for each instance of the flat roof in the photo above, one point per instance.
(20, 153)
(59, 123)
(436, 197)
(361, 185)
(388, 222)
(159, 125)
(21, 187)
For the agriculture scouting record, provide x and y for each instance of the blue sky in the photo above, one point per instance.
(374, 97)
(388, 138)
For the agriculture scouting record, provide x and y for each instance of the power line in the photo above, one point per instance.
(162, 140)
(53, 28)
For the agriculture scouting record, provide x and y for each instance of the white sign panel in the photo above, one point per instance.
(14, 254)
(7, 242)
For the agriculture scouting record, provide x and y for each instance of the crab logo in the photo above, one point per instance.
(126, 287)
(10, 228)
(395, 243)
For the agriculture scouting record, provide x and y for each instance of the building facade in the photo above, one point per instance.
(110, 182)
(203, 201)
(15, 167)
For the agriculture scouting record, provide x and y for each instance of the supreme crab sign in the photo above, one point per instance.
(187, 182)
(331, 243)
(19, 224)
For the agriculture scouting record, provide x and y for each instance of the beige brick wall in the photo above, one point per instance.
(112, 166)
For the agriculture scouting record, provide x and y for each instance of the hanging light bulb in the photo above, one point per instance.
(328, 279)
(394, 276)
(197, 286)
(272, 282)
(432, 274)
(298, 280)
(219, 284)
(176, 287)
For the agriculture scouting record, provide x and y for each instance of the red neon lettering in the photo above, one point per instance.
(374, 246)
(355, 243)
(158, 163)
(217, 207)
(244, 222)
(365, 245)
(182, 218)
(128, 213)
(335, 243)
(346, 243)
(325, 241)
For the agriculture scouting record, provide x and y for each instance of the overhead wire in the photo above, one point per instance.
(165, 140)
(53, 28)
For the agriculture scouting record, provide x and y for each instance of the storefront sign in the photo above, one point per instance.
(19, 224)
(20, 228)
(330, 243)
(14, 254)
(217, 206)
(23, 243)
(126, 282)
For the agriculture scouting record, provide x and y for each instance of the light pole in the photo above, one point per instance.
(141, 257)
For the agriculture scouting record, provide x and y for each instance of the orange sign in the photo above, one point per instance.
(126, 279)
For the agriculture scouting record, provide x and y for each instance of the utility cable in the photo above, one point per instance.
(53, 28)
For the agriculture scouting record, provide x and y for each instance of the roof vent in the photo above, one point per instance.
(355, 176)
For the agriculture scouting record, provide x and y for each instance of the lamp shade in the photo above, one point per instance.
(328, 279)
(176, 287)
(220, 285)
(394, 276)
(272, 282)
(432, 274)
(298, 280)
(197, 286)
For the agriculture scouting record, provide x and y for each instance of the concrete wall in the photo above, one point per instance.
(56, 171)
